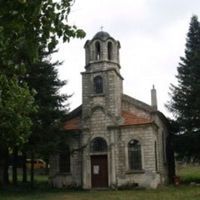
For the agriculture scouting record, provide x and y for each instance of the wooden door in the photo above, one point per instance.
(99, 171)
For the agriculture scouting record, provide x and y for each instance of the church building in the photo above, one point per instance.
(113, 140)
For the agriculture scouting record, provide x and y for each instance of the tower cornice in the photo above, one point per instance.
(106, 70)
(102, 61)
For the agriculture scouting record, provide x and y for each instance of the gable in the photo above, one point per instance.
(137, 107)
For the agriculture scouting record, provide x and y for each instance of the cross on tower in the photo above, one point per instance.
(101, 28)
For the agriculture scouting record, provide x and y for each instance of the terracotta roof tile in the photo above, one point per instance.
(132, 119)
(73, 124)
(129, 119)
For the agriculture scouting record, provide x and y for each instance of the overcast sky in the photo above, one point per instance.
(152, 34)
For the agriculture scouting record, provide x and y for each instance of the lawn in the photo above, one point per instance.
(43, 192)
(165, 193)
(189, 173)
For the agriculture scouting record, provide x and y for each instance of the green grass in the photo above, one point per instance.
(166, 193)
(39, 175)
(189, 173)
(43, 192)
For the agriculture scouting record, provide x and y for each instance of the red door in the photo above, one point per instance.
(99, 171)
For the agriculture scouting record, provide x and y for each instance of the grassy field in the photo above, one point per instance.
(43, 192)
(189, 173)
(166, 193)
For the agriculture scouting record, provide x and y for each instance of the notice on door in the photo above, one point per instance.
(95, 169)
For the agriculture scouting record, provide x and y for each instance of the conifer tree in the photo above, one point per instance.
(185, 97)
(42, 77)
(47, 130)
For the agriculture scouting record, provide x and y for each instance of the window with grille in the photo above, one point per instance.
(98, 145)
(64, 161)
(156, 158)
(135, 157)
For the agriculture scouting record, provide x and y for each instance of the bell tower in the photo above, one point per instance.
(101, 80)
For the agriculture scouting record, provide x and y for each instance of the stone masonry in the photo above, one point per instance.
(106, 123)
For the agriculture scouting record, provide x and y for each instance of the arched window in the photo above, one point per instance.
(135, 157)
(64, 160)
(98, 50)
(98, 145)
(109, 50)
(156, 159)
(98, 84)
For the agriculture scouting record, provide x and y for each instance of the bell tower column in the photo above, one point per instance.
(101, 99)
(101, 80)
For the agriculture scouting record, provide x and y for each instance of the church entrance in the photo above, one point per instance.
(99, 171)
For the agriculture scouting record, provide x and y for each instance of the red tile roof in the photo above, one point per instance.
(73, 124)
(129, 119)
(132, 119)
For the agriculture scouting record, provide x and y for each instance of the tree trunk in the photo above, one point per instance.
(170, 160)
(14, 167)
(32, 169)
(5, 172)
(1, 167)
(47, 167)
(1, 175)
(24, 179)
(3, 164)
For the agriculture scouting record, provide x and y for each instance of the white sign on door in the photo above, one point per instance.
(95, 169)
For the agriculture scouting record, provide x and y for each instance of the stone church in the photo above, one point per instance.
(114, 140)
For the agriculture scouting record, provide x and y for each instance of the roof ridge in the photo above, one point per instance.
(77, 111)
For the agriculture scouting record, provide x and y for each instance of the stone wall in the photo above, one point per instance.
(110, 99)
(148, 176)
(74, 178)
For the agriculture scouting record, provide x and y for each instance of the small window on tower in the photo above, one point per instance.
(109, 51)
(98, 50)
(98, 84)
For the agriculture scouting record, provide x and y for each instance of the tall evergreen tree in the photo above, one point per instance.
(185, 97)
(42, 77)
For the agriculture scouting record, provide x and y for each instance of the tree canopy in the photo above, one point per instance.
(27, 28)
(47, 122)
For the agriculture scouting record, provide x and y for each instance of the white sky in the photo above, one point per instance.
(152, 34)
